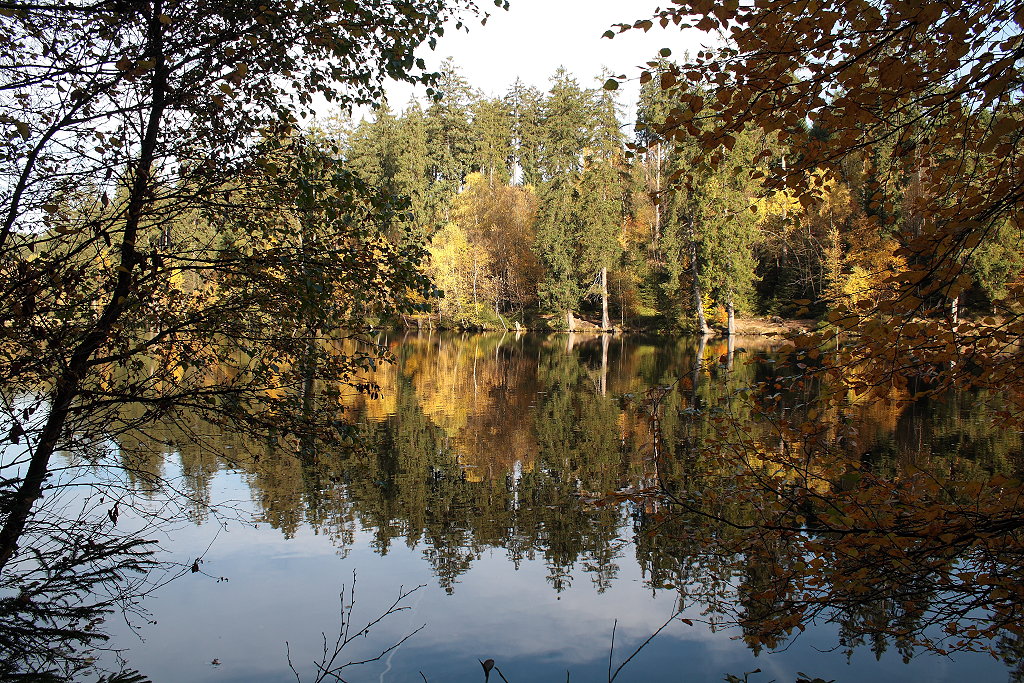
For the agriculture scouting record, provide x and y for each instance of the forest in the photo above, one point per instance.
(179, 243)
(549, 203)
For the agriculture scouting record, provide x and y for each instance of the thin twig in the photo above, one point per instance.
(326, 668)
(288, 655)
(642, 645)
(379, 656)
(611, 651)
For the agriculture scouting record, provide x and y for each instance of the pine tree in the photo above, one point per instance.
(705, 226)
(450, 144)
(412, 160)
(524, 103)
(600, 192)
(492, 132)
(581, 195)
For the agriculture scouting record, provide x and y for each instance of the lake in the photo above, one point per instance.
(481, 480)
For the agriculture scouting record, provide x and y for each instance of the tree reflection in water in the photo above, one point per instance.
(546, 448)
(69, 575)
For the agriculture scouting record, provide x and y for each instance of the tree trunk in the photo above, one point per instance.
(604, 364)
(657, 198)
(698, 295)
(698, 360)
(307, 444)
(731, 314)
(68, 384)
(698, 302)
(475, 270)
(570, 321)
(605, 323)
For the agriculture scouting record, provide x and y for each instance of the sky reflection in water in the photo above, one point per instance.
(284, 586)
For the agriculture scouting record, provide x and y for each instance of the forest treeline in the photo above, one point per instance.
(540, 208)
(537, 207)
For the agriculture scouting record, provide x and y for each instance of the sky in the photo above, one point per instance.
(535, 37)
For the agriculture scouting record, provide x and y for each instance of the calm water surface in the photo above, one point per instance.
(477, 462)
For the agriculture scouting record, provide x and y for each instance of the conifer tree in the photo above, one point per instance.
(524, 103)
(580, 195)
(450, 142)
(702, 214)
(600, 196)
(492, 131)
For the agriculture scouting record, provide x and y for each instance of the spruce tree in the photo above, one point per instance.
(492, 132)
(450, 142)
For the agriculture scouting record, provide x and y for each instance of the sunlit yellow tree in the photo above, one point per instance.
(124, 127)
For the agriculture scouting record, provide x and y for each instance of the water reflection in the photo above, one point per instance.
(508, 446)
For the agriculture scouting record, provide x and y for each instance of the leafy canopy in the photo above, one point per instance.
(925, 98)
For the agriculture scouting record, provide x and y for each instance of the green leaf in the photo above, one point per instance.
(611, 84)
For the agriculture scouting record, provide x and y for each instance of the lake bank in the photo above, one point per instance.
(744, 326)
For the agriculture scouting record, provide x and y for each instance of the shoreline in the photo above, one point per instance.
(744, 327)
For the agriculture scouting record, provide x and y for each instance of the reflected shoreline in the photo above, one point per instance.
(513, 447)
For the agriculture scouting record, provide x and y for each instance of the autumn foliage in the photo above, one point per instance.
(915, 106)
